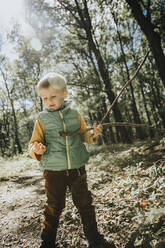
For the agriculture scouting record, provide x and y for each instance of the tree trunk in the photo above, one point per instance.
(2, 140)
(105, 132)
(146, 109)
(17, 141)
(111, 134)
(110, 94)
(158, 101)
(153, 37)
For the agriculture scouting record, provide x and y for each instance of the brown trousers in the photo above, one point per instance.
(56, 183)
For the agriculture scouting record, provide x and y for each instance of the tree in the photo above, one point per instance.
(151, 27)
(81, 19)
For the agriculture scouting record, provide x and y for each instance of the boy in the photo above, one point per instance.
(63, 159)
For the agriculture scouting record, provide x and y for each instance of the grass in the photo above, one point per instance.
(14, 166)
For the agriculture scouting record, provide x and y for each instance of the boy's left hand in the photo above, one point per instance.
(97, 130)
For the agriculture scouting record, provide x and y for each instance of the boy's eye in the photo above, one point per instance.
(53, 96)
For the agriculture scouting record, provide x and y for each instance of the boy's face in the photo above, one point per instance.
(52, 98)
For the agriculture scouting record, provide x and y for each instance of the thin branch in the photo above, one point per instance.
(115, 124)
(123, 88)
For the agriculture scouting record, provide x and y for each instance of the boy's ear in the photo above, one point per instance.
(65, 94)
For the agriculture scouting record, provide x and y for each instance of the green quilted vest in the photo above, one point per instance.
(63, 152)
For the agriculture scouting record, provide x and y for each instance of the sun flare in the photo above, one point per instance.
(11, 10)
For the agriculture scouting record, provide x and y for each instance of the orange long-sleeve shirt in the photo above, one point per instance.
(38, 136)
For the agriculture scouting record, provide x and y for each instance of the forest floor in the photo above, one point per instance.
(127, 184)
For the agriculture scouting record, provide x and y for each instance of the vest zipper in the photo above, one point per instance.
(66, 141)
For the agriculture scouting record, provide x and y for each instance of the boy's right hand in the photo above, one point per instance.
(39, 148)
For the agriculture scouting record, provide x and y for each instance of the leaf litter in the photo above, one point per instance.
(128, 188)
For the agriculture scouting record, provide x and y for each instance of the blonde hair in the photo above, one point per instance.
(52, 79)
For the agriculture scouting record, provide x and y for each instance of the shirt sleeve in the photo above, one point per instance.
(37, 136)
(87, 136)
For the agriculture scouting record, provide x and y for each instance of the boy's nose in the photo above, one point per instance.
(50, 101)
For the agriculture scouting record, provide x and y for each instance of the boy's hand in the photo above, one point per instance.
(97, 130)
(39, 148)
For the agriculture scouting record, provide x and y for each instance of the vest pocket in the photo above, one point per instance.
(79, 155)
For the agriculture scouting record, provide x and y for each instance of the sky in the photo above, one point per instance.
(10, 9)
(13, 11)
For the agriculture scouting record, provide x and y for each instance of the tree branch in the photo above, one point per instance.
(115, 124)
(123, 88)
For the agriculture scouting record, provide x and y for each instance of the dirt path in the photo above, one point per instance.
(20, 209)
(117, 195)
(21, 212)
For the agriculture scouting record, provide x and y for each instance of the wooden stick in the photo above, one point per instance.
(115, 124)
(125, 85)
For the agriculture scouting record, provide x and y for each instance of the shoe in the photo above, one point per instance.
(48, 244)
(104, 244)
